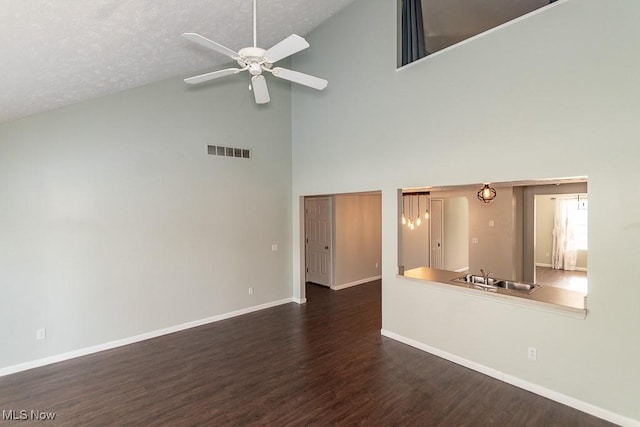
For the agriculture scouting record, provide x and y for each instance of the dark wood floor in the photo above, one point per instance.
(323, 363)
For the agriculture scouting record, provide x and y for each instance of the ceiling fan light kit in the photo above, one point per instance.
(257, 60)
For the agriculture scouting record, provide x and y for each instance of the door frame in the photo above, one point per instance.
(441, 225)
(331, 258)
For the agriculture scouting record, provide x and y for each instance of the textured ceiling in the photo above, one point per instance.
(58, 52)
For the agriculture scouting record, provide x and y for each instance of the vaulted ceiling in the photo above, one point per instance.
(55, 53)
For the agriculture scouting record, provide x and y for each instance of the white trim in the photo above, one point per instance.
(137, 338)
(540, 264)
(515, 381)
(356, 283)
(299, 300)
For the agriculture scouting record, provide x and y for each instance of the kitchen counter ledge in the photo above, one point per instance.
(546, 298)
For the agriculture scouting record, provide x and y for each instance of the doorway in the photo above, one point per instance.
(561, 215)
(342, 239)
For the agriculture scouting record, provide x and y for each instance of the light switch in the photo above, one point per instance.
(274, 247)
(492, 223)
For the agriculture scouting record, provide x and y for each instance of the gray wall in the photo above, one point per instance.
(494, 250)
(358, 241)
(115, 222)
(554, 95)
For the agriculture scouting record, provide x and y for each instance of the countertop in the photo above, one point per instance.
(544, 296)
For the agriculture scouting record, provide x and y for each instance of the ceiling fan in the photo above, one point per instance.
(256, 61)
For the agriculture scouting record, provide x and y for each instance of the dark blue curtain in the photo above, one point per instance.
(412, 31)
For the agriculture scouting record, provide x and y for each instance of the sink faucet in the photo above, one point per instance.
(486, 276)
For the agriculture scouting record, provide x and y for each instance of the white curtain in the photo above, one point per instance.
(564, 245)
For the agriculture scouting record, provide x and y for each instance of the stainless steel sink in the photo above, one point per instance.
(493, 284)
(517, 286)
(477, 280)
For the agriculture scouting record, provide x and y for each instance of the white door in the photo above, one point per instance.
(436, 218)
(318, 231)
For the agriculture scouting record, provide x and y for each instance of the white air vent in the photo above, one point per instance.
(216, 150)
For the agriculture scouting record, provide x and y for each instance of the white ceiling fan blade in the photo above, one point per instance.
(260, 90)
(300, 78)
(287, 47)
(203, 41)
(213, 75)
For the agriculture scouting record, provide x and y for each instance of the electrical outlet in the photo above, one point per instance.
(474, 240)
(492, 223)
(532, 353)
(41, 334)
(250, 291)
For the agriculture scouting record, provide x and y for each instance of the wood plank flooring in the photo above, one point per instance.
(322, 363)
(571, 280)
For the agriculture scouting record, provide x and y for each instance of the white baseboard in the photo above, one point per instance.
(137, 338)
(299, 300)
(356, 283)
(540, 264)
(515, 381)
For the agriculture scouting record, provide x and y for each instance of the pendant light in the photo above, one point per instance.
(411, 214)
(426, 209)
(412, 223)
(487, 194)
(404, 219)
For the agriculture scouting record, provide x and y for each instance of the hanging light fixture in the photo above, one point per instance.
(487, 193)
(404, 219)
(408, 218)
(411, 226)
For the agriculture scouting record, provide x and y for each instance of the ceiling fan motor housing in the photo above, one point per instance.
(252, 57)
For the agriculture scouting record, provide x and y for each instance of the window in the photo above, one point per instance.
(578, 214)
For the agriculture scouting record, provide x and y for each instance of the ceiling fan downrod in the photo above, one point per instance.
(255, 24)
